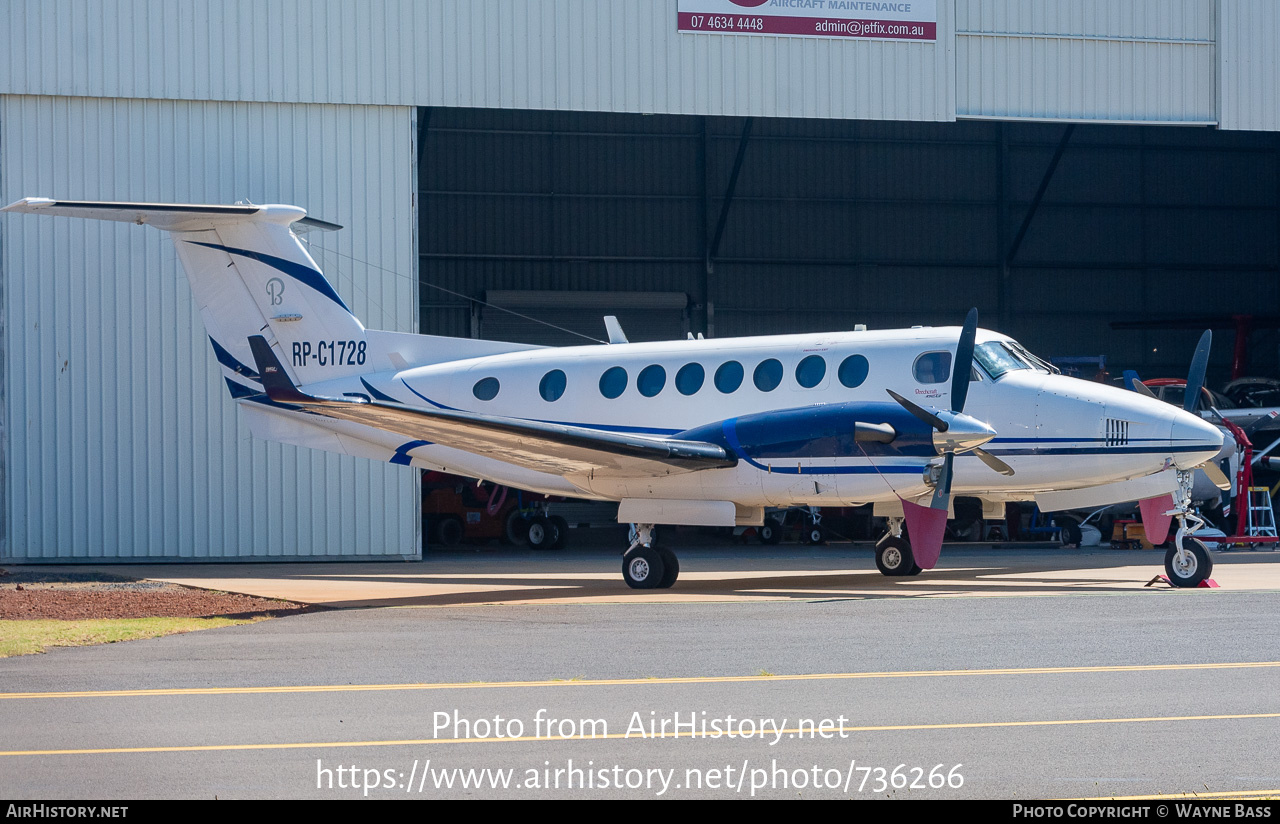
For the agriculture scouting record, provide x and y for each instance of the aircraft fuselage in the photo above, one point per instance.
(1056, 432)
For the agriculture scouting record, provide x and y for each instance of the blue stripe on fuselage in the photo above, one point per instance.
(826, 431)
(376, 395)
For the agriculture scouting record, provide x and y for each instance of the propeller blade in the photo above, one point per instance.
(1215, 474)
(994, 462)
(920, 412)
(1195, 378)
(963, 368)
(1136, 385)
(1265, 420)
(942, 490)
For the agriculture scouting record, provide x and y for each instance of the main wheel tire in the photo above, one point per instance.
(1192, 567)
(642, 568)
(449, 531)
(815, 535)
(542, 534)
(893, 557)
(517, 528)
(562, 532)
(770, 532)
(1069, 532)
(670, 568)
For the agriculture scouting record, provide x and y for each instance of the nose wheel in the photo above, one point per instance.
(647, 566)
(894, 558)
(1189, 565)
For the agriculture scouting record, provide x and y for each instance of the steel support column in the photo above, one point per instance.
(1035, 202)
(714, 246)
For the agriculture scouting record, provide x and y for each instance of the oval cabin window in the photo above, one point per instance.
(613, 382)
(729, 377)
(768, 375)
(651, 380)
(552, 385)
(486, 389)
(690, 377)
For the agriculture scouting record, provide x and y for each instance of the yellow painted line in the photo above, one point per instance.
(625, 736)
(1189, 796)
(618, 682)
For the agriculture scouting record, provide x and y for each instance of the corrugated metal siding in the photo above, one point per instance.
(1248, 66)
(122, 441)
(581, 55)
(1125, 60)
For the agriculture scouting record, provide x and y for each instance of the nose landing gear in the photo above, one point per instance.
(1187, 562)
(893, 552)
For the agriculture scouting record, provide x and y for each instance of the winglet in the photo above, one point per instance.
(274, 379)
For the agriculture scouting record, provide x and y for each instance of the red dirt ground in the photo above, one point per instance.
(26, 595)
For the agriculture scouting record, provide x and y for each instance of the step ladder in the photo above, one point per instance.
(1262, 519)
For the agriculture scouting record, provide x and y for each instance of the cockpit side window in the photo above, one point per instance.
(932, 367)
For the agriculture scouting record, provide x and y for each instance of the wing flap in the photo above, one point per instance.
(544, 447)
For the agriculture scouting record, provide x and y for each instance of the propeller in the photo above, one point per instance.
(1195, 378)
(1155, 518)
(1191, 400)
(953, 432)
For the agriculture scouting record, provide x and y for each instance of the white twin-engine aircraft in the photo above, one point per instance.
(695, 432)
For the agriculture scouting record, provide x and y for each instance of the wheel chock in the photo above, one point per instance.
(1207, 583)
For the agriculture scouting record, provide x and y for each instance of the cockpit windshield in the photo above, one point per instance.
(999, 357)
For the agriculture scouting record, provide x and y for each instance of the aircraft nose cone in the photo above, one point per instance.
(1200, 440)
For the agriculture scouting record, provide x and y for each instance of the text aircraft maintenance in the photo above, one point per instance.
(692, 432)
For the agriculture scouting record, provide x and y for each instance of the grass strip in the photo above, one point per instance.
(26, 637)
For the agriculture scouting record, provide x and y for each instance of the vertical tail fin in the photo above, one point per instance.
(250, 276)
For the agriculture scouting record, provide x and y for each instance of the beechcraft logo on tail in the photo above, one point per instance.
(275, 291)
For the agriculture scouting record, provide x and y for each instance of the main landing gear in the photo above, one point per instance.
(893, 552)
(1187, 562)
(646, 565)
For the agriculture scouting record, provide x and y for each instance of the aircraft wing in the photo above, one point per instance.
(545, 447)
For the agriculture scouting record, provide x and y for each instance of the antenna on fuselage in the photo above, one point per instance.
(616, 335)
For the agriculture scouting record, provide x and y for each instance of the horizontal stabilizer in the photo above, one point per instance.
(537, 445)
(171, 217)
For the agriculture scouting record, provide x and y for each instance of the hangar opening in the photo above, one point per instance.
(533, 225)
